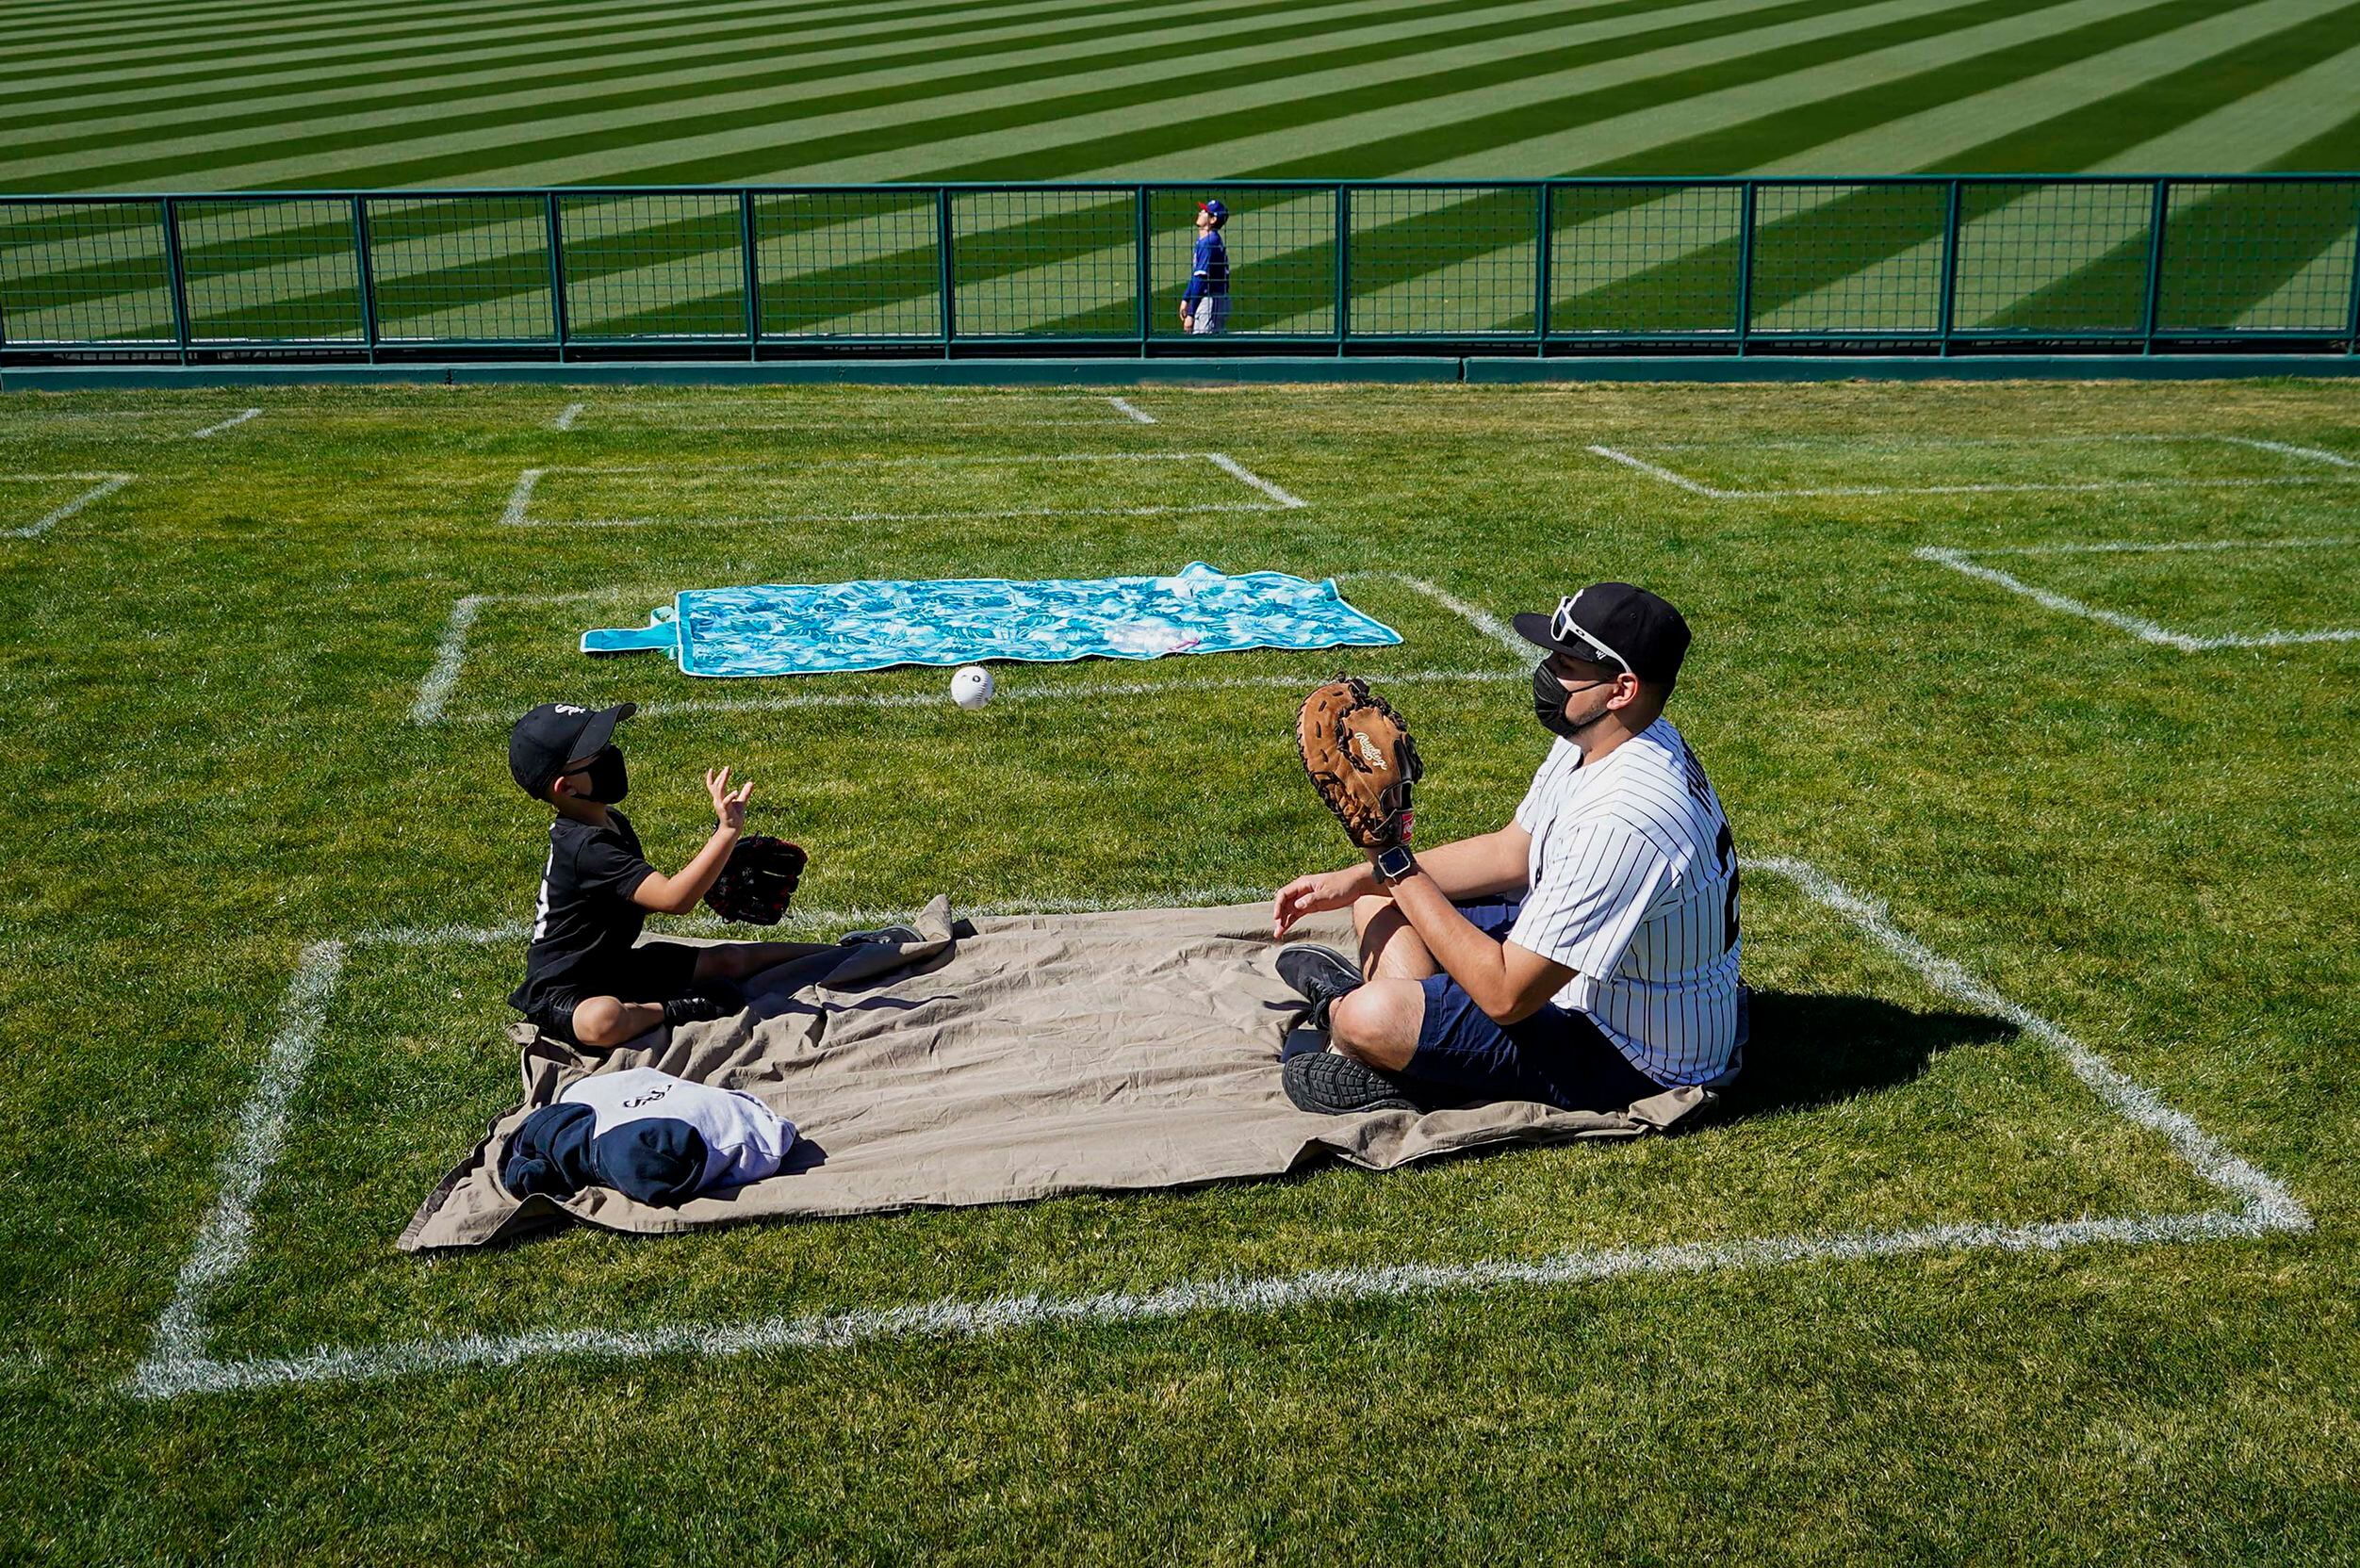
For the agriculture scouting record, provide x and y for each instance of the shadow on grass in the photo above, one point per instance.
(1814, 1049)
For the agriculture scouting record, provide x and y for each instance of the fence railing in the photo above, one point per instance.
(1938, 266)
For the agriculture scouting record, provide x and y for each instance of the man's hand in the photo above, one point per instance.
(1185, 323)
(728, 806)
(1316, 894)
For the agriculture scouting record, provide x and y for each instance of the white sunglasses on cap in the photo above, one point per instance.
(1563, 626)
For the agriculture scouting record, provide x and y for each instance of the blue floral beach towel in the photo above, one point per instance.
(808, 628)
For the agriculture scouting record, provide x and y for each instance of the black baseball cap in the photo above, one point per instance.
(1613, 623)
(553, 734)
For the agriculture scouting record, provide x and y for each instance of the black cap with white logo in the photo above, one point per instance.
(1613, 623)
(556, 733)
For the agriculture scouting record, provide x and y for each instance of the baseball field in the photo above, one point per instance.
(2025, 1238)
(210, 95)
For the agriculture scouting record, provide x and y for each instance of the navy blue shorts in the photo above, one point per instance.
(1557, 1056)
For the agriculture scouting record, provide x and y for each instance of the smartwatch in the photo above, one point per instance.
(1395, 863)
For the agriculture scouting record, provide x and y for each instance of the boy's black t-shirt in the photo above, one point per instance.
(586, 919)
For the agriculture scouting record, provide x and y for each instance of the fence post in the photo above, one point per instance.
(557, 275)
(1343, 266)
(2352, 325)
(1144, 285)
(1745, 269)
(172, 271)
(753, 275)
(1540, 272)
(943, 254)
(2155, 265)
(364, 276)
(1949, 318)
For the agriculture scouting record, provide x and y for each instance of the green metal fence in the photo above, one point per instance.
(1934, 266)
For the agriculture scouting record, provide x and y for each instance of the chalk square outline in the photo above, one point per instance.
(568, 417)
(1699, 487)
(450, 650)
(517, 513)
(109, 484)
(207, 433)
(178, 1361)
(1964, 561)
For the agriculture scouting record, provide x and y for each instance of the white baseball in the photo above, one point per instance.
(971, 688)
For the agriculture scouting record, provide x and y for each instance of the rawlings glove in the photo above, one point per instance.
(1361, 759)
(754, 888)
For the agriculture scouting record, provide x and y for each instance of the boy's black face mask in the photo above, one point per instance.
(1549, 704)
(609, 782)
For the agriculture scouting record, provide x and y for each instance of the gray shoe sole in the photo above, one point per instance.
(1329, 1085)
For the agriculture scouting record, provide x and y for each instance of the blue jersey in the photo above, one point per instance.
(1212, 269)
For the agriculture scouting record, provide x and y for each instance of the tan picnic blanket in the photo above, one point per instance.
(1006, 1059)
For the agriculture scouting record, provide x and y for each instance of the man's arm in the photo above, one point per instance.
(1509, 983)
(1470, 868)
(677, 894)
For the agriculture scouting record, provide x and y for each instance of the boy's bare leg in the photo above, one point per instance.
(740, 960)
(601, 1022)
(1389, 948)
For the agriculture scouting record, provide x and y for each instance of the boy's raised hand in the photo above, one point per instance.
(728, 805)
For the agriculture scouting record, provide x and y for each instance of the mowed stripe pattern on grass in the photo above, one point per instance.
(473, 93)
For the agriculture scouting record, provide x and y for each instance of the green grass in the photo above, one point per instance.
(211, 764)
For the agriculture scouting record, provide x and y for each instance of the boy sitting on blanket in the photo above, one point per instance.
(587, 977)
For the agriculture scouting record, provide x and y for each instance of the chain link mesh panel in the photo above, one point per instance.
(84, 272)
(849, 264)
(668, 266)
(1059, 263)
(1645, 259)
(461, 268)
(1281, 242)
(270, 271)
(1836, 259)
(2065, 256)
(1444, 262)
(2254, 256)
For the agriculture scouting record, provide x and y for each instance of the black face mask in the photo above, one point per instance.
(609, 783)
(1549, 704)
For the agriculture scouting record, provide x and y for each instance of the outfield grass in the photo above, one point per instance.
(214, 763)
(181, 94)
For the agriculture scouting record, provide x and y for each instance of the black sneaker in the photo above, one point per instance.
(711, 999)
(1341, 1086)
(903, 935)
(1320, 975)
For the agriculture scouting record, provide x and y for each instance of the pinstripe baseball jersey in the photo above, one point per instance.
(1634, 886)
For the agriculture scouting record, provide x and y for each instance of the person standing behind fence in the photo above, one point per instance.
(1205, 309)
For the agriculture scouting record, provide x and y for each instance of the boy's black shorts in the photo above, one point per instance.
(652, 971)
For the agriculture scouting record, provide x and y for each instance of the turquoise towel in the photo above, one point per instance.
(808, 628)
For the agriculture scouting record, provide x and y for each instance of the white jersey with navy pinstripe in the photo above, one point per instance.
(1634, 886)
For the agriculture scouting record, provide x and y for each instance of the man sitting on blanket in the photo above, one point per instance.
(587, 977)
(1584, 955)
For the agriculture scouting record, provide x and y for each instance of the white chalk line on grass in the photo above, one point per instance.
(2137, 626)
(791, 702)
(1710, 492)
(231, 423)
(108, 485)
(1123, 407)
(178, 1362)
(566, 416)
(517, 512)
(451, 652)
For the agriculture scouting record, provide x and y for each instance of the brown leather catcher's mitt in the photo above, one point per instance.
(758, 880)
(1361, 759)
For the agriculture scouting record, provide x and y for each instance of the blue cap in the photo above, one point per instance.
(1214, 210)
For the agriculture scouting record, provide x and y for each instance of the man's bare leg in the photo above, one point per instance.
(1379, 1022)
(1389, 948)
